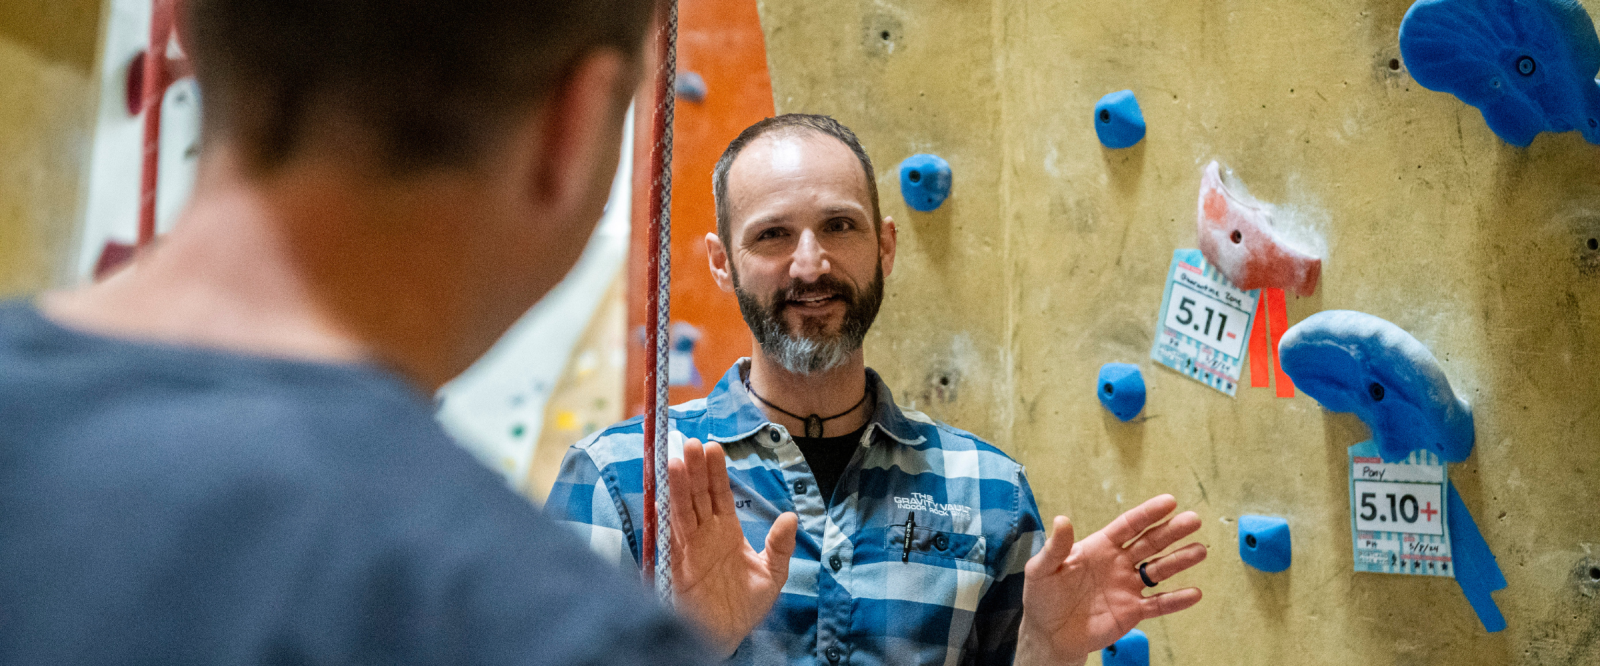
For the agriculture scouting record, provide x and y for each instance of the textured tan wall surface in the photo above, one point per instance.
(47, 104)
(1049, 260)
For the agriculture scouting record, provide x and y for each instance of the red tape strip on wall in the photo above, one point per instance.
(1278, 311)
(1260, 350)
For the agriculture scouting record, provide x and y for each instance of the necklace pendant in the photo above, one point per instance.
(814, 426)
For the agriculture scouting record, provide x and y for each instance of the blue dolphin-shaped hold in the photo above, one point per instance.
(1355, 362)
(1528, 65)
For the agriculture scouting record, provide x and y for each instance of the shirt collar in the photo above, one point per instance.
(732, 414)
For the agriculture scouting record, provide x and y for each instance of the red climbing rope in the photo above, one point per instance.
(655, 549)
(154, 84)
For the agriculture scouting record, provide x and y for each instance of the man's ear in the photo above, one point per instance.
(887, 236)
(579, 131)
(718, 256)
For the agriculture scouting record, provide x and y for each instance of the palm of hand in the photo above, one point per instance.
(719, 580)
(1080, 597)
(716, 572)
(1097, 596)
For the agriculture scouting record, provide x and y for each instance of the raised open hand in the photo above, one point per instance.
(1080, 597)
(719, 580)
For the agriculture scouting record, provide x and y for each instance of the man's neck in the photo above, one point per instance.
(823, 394)
(296, 269)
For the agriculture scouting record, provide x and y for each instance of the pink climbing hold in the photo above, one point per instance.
(1237, 237)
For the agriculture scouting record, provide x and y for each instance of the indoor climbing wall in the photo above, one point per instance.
(1051, 257)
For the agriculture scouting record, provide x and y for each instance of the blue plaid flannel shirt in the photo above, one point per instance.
(855, 595)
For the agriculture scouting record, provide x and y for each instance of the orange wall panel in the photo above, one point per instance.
(721, 41)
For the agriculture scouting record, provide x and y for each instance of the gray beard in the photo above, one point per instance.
(807, 356)
(818, 352)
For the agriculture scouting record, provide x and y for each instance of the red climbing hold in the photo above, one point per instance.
(1237, 237)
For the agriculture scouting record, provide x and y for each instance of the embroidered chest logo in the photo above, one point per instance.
(921, 502)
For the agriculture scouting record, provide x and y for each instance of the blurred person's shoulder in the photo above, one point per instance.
(354, 514)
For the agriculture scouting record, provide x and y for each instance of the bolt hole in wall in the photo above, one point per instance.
(1394, 64)
(1594, 573)
(884, 35)
(1594, 243)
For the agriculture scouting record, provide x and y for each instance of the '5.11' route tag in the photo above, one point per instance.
(1204, 323)
(1397, 513)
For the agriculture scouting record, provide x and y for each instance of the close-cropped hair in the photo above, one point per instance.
(431, 82)
(788, 124)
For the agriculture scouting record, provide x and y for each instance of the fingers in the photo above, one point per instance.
(1138, 519)
(1175, 563)
(1170, 602)
(695, 459)
(683, 520)
(780, 546)
(1055, 550)
(717, 478)
(1163, 535)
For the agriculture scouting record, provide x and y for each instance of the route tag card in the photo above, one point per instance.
(1397, 513)
(1204, 323)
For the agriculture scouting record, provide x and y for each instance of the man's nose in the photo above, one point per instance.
(810, 260)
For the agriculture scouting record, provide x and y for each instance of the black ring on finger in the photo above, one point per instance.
(1144, 576)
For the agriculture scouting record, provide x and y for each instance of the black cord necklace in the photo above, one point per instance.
(813, 422)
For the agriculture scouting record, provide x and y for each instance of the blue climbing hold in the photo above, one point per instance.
(690, 86)
(1118, 121)
(1355, 362)
(1121, 389)
(1130, 650)
(924, 181)
(1264, 543)
(1528, 65)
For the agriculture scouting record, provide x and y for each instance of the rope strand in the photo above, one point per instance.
(657, 542)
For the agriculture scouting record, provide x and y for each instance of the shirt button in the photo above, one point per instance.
(835, 562)
(833, 654)
(774, 436)
(799, 487)
(941, 542)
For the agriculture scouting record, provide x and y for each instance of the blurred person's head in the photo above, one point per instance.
(472, 141)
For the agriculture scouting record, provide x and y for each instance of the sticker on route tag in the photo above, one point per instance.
(1204, 323)
(1397, 513)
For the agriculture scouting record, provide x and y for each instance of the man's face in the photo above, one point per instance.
(803, 256)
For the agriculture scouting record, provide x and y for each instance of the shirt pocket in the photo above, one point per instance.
(941, 568)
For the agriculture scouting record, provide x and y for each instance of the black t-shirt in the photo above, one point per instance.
(172, 505)
(828, 456)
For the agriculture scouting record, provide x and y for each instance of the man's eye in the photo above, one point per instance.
(841, 224)
(769, 233)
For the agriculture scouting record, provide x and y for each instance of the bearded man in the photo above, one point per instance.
(888, 538)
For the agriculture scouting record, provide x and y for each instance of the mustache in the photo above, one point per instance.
(825, 286)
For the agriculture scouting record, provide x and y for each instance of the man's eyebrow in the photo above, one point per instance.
(773, 218)
(842, 209)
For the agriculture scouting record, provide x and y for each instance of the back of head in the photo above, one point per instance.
(431, 81)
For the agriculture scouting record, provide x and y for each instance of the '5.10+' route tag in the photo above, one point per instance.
(1397, 513)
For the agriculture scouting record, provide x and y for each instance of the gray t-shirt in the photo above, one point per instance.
(173, 505)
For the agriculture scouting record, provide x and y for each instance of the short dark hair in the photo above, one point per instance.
(434, 80)
(787, 124)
